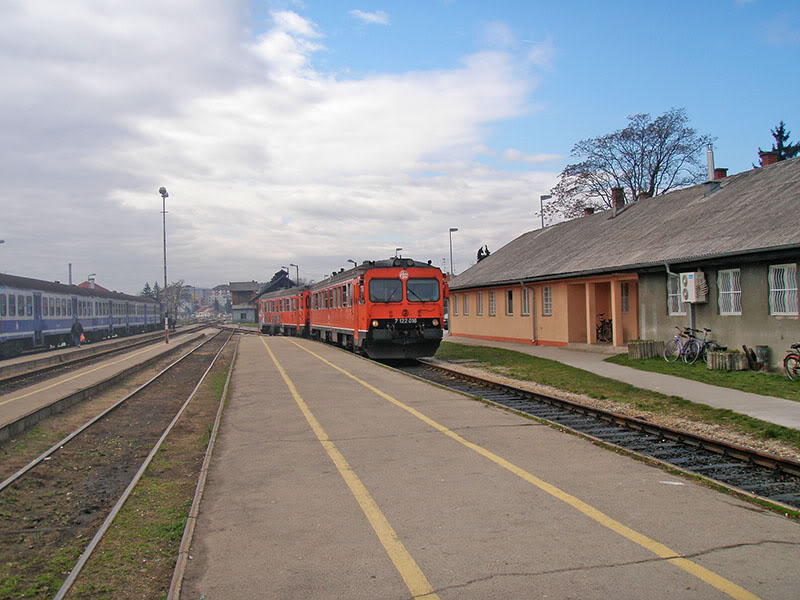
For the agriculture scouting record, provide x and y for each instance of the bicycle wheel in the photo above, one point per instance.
(707, 350)
(691, 351)
(791, 366)
(672, 351)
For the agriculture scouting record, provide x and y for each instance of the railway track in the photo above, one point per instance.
(752, 473)
(37, 373)
(70, 494)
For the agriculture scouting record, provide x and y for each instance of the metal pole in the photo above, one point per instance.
(164, 194)
(452, 229)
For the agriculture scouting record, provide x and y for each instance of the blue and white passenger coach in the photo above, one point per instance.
(39, 314)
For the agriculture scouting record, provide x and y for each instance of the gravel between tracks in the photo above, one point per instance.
(717, 432)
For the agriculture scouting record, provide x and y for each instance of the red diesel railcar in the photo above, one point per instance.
(386, 309)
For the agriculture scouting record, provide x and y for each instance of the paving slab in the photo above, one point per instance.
(767, 408)
(486, 503)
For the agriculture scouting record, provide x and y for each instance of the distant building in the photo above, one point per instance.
(242, 292)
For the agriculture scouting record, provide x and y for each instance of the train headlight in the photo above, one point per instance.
(436, 322)
(374, 323)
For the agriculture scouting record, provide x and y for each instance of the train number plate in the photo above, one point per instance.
(405, 320)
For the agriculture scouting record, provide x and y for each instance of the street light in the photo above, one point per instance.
(396, 250)
(541, 206)
(355, 264)
(164, 195)
(297, 273)
(452, 229)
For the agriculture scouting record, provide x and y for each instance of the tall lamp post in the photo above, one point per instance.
(542, 198)
(296, 273)
(355, 264)
(164, 195)
(452, 229)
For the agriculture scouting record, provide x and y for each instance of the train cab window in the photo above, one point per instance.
(2, 305)
(422, 290)
(385, 290)
(12, 305)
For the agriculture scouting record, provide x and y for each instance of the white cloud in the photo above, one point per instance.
(378, 17)
(513, 154)
(499, 35)
(267, 160)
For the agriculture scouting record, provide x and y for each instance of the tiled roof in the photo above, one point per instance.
(244, 286)
(749, 212)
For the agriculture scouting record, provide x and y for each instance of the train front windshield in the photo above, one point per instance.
(422, 290)
(385, 290)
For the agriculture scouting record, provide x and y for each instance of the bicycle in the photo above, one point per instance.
(696, 347)
(791, 363)
(676, 346)
(604, 329)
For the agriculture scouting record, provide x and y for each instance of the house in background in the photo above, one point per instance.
(738, 236)
(244, 310)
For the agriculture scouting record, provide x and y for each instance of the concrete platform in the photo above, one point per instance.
(484, 503)
(24, 407)
(767, 408)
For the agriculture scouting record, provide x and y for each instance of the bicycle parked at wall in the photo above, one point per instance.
(676, 347)
(700, 348)
(604, 328)
(791, 362)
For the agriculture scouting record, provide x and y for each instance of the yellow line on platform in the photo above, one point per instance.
(415, 579)
(62, 381)
(657, 548)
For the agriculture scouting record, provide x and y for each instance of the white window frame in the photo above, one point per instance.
(729, 288)
(492, 304)
(526, 302)
(509, 302)
(466, 304)
(547, 301)
(675, 305)
(455, 304)
(625, 296)
(479, 303)
(783, 290)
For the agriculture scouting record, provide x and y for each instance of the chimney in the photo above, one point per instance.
(768, 158)
(644, 195)
(617, 199)
(710, 158)
(720, 173)
(588, 210)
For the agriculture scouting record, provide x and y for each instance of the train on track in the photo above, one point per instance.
(37, 314)
(385, 309)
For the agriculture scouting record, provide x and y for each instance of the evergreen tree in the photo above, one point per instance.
(782, 146)
(146, 291)
(156, 291)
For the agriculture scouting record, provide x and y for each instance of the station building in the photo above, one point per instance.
(738, 237)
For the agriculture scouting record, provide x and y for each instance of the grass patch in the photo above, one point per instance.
(518, 365)
(767, 384)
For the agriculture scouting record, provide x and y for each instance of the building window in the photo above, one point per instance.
(625, 296)
(455, 305)
(547, 301)
(479, 304)
(783, 290)
(466, 304)
(675, 305)
(730, 292)
(492, 306)
(526, 302)
(509, 302)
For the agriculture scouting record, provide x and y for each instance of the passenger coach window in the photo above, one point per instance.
(12, 305)
(20, 306)
(422, 290)
(385, 290)
(2, 305)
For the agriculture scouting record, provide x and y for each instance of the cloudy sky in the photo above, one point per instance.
(319, 131)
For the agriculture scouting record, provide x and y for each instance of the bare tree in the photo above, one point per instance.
(649, 155)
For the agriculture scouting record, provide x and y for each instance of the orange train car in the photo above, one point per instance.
(386, 309)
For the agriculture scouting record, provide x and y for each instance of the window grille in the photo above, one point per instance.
(783, 290)
(547, 301)
(730, 292)
(675, 305)
(625, 296)
(492, 306)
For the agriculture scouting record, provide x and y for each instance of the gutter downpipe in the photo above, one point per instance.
(531, 309)
(691, 306)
